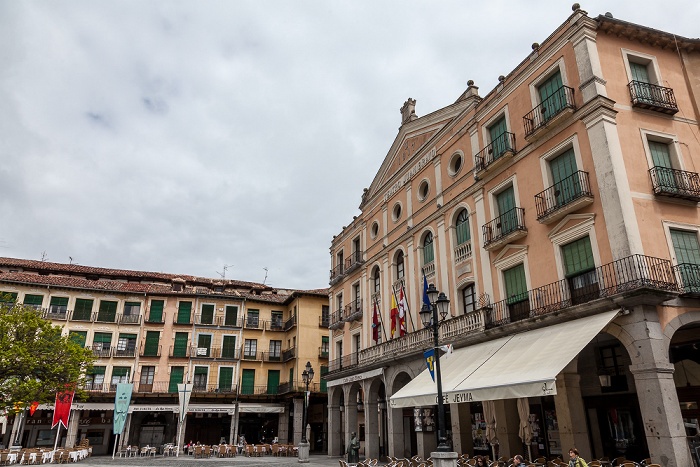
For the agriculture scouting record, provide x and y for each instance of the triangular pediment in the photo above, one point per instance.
(571, 221)
(509, 250)
(405, 152)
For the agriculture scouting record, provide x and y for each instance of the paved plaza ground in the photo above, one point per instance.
(188, 461)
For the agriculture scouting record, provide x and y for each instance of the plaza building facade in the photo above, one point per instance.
(242, 345)
(559, 214)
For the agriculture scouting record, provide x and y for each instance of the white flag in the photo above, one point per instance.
(448, 349)
(184, 391)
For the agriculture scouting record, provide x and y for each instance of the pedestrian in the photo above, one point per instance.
(480, 462)
(575, 460)
(518, 460)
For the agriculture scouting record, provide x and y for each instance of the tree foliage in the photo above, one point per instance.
(36, 361)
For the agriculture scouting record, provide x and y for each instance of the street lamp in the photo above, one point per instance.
(306, 376)
(439, 304)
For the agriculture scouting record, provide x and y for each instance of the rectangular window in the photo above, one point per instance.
(687, 249)
(147, 374)
(156, 313)
(579, 267)
(250, 349)
(324, 346)
(552, 96)
(665, 176)
(462, 230)
(231, 318)
(325, 313)
(107, 312)
(228, 348)
(83, 309)
(276, 320)
(8, 297)
(102, 341)
(204, 345)
(58, 305)
(78, 337)
(499, 138)
(150, 348)
(207, 314)
(641, 81)
(324, 383)
(176, 375)
(180, 344)
(428, 254)
(183, 312)
(34, 301)
(275, 351)
(120, 374)
(200, 378)
(95, 378)
(132, 308)
(273, 381)
(126, 343)
(505, 201)
(469, 298)
(516, 292)
(252, 319)
(567, 185)
(247, 381)
(225, 379)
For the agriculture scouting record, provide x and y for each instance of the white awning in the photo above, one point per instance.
(522, 365)
(244, 407)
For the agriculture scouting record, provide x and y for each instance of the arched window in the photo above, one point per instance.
(400, 270)
(462, 227)
(428, 252)
(377, 282)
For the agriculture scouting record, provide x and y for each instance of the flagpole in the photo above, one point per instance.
(116, 441)
(58, 433)
(381, 318)
(395, 318)
(408, 311)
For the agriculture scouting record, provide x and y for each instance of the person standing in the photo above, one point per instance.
(518, 460)
(575, 460)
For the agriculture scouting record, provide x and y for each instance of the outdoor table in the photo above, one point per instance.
(12, 458)
(46, 456)
(32, 457)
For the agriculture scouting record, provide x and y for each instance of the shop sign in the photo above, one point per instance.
(94, 421)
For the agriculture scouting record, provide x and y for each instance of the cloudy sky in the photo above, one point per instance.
(182, 136)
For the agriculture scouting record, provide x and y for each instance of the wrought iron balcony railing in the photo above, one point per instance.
(205, 319)
(56, 313)
(675, 183)
(182, 319)
(653, 97)
(148, 351)
(353, 310)
(124, 353)
(274, 325)
(688, 276)
(337, 319)
(562, 99)
(324, 321)
(630, 273)
(289, 354)
(498, 148)
(353, 262)
(82, 315)
(221, 388)
(564, 193)
(290, 323)
(272, 356)
(343, 363)
(100, 351)
(180, 352)
(337, 273)
(253, 323)
(129, 319)
(504, 225)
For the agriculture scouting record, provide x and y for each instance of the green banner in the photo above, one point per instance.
(121, 406)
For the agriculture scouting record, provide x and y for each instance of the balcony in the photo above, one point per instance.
(353, 311)
(290, 323)
(560, 199)
(99, 351)
(157, 387)
(95, 387)
(324, 321)
(323, 352)
(250, 355)
(124, 353)
(182, 320)
(215, 388)
(353, 262)
(180, 352)
(652, 97)
(506, 228)
(227, 353)
(688, 277)
(234, 322)
(495, 154)
(203, 352)
(150, 352)
(205, 320)
(343, 363)
(288, 354)
(271, 357)
(624, 275)
(259, 390)
(551, 111)
(253, 323)
(106, 317)
(274, 325)
(129, 319)
(82, 316)
(463, 252)
(337, 320)
(337, 273)
(59, 313)
(675, 183)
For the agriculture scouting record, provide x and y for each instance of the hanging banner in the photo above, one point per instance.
(121, 406)
(61, 410)
(430, 361)
(184, 391)
(32, 408)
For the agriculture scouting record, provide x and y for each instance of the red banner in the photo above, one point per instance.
(62, 409)
(32, 408)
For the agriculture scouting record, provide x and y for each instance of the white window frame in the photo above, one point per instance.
(228, 334)
(668, 225)
(372, 234)
(233, 375)
(194, 368)
(206, 334)
(643, 59)
(674, 147)
(559, 65)
(560, 237)
(558, 150)
(505, 261)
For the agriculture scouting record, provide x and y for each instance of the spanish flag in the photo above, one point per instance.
(394, 315)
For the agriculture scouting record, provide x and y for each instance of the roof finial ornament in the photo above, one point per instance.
(575, 7)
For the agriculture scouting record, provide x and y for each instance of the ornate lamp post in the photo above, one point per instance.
(306, 376)
(439, 304)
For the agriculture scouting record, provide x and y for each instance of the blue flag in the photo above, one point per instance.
(426, 300)
(430, 361)
(121, 406)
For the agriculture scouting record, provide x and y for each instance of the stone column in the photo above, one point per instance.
(507, 427)
(298, 414)
(426, 443)
(588, 64)
(232, 430)
(438, 181)
(396, 434)
(461, 416)
(283, 426)
(16, 430)
(571, 413)
(371, 430)
(485, 260)
(350, 419)
(72, 432)
(334, 430)
(442, 245)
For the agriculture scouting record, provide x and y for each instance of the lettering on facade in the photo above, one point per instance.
(548, 389)
(462, 397)
(410, 174)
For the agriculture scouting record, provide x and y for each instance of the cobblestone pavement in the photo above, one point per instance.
(188, 461)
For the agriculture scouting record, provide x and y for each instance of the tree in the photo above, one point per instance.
(36, 361)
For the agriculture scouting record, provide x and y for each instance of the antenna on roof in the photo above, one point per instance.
(223, 274)
(44, 256)
(71, 259)
(264, 280)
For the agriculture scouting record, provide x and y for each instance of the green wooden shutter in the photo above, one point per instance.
(499, 137)
(324, 383)
(183, 313)
(428, 251)
(156, 313)
(225, 378)
(83, 309)
(247, 381)
(642, 88)
(107, 312)
(231, 315)
(176, 375)
(59, 302)
(78, 337)
(207, 314)
(204, 342)
(639, 72)
(578, 257)
(150, 348)
(567, 186)
(291, 377)
(516, 285)
(661, 157)
(97, 370)
(200, 370)
(505, 201)
(462, 228)
(120, 371)
(180, 345)
(229, 347)
(34, 300)
(273, 381)
(7, 297)
(685, 244)
(552, 96)
(103, 338)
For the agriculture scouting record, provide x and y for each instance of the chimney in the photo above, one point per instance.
(408, 111)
